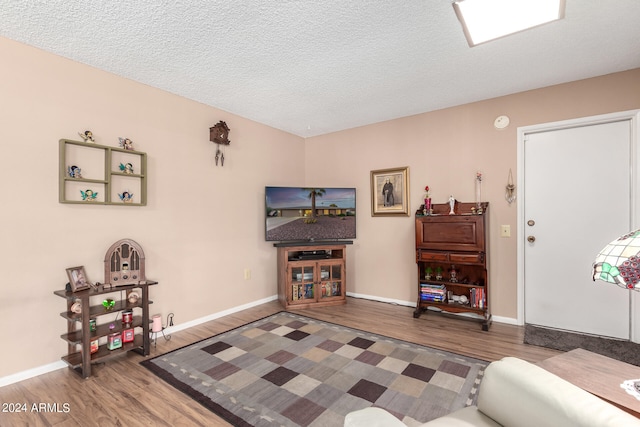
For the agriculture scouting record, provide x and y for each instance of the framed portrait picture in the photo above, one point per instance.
(390, 192)
(78, 279)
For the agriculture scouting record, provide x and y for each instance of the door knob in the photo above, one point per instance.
(531, 239)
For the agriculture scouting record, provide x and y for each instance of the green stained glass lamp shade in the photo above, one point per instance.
(619, 262)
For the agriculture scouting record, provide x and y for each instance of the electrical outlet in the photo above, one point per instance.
(505, 231)
(247, 274)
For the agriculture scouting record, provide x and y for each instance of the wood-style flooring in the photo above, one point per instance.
(123, 393)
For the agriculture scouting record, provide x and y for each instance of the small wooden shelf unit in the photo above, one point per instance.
(452, 258)
(312, 275)
(101, 174)
(79, 336)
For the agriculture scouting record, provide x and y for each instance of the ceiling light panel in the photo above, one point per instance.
(484, 20)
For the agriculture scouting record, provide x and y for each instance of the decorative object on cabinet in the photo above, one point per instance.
(126, 143)
(458, 244)
(87, 346)
(108, 304)
(77, 279)
(76, 307)
(452, 205)
(219, 134)
(101, 180)
(115, 341)
(133, 297)
(478, 193)
(510, 189)
(390, 192)
(312, 275)
(87, 136)
(128, 335)
(427, 202)
(124, 263)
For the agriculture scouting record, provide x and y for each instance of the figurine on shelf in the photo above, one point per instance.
(74, 172)
(452, 205)
(126, 143)
(88, 195)
(108, 304)
(133, 297)
(87, 136)
(128, 168)
(438, 273)
(126, 197)
(453, 274)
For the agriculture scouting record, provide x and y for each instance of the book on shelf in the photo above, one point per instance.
(432, 285)
(436, 298)
(477, 298)
(308, 290)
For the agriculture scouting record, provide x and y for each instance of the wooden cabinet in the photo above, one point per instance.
(81, 331)
(99, 174)
(313, 275)
(452, 258)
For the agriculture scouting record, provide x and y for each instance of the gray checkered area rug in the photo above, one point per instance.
(292, 370)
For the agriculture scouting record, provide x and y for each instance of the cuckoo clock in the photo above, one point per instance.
(124, 263)
(219, 134)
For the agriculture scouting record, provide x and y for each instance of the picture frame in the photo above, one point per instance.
(78, 279)
(390, 192)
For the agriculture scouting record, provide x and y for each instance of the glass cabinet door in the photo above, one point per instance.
(302, 287)
(331, 281)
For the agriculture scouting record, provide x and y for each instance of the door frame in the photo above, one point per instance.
(634, 118)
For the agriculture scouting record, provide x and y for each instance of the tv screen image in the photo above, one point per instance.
(310, 214)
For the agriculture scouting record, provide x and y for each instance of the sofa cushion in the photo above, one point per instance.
(465, 417)
(514, 392)
(371, 417)
(376, 417)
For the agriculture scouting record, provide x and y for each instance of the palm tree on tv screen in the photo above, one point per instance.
(313, 193)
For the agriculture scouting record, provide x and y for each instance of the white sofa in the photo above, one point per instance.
(514, 393)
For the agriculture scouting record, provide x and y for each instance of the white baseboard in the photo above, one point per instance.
(30, 373)
(214, 316)
(380, 299)
(497, 319)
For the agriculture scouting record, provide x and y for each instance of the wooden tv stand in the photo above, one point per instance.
(312, 275)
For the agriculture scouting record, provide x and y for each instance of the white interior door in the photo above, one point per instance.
(577, 198)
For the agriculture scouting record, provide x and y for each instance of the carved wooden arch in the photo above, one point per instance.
(124, 263)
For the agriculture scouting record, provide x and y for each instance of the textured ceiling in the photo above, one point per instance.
(311, 67)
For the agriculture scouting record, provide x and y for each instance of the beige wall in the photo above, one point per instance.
(444, 149)
(204, 224)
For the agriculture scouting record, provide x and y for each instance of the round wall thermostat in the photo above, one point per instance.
(501, 122)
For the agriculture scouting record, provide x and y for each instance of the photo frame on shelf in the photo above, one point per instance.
(390, 192)
(78, 279)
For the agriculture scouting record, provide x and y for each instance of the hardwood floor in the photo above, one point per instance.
(123, 393)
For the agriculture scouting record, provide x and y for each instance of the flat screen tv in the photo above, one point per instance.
(309, 214)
